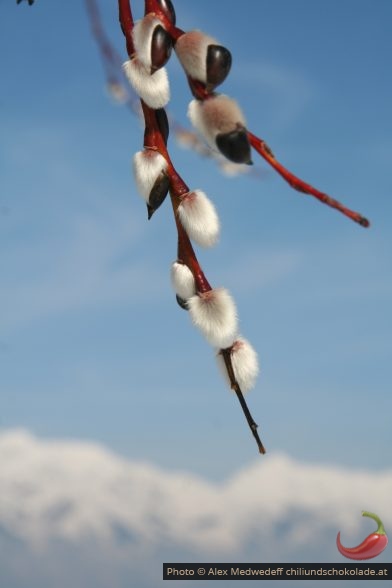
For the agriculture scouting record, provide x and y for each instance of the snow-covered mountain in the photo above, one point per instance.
(99, 518)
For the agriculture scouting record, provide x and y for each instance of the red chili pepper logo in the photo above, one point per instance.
(370, 547)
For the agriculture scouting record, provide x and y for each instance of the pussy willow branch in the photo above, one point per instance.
(201, 93)
(186, 254)
(221, 121)
(154, 140)
(119, 87)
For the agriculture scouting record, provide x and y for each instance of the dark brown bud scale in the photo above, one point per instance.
(235, 145)
(150, 211)
(181, 302)
(158, 193)
(163, 123)
(168, 9)
(218, 65)
(161, 47)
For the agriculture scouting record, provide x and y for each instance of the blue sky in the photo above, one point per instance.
(92, 343)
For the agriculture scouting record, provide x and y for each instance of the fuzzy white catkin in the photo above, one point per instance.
(153, 89)
(215, 314)
(199, 218)
(244, 362)
(182, 280)
(191, 49)
(147, 166)
(142, 38)
(217, 115)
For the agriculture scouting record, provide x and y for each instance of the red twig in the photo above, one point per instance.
(155, 7)
(234, 386)
(126, 22)
(262, 148)
(105, 46)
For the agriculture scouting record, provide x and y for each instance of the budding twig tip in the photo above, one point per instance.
(364, 222)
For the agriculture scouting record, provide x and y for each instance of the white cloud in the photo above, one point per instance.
(73, 513)
(77, 491)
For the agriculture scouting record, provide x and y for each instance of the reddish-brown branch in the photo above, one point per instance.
(153, 6)
(262, 148)
(199, 90)
(126, 22)
(96, 26)
(153, 140)
(235, 386)
(186, 254)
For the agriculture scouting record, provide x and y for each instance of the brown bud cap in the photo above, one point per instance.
(181, 302)
(168, 9)
(218, 65)
(163, 123)
(235, 145)
(158, 193)
(161, 47)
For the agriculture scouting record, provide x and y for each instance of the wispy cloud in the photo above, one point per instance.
(90, 266)
(254, 269)
(289, 91)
